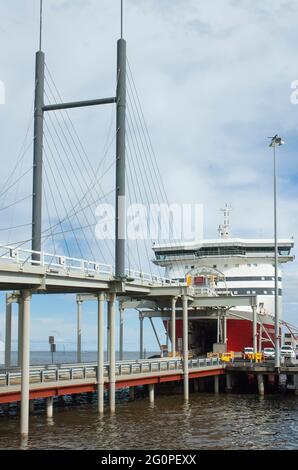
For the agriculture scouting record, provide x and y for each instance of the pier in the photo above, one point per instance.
(33, 272)
(36, 273)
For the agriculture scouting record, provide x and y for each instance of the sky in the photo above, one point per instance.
(214, 79)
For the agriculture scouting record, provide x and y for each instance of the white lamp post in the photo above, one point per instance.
(276, 141)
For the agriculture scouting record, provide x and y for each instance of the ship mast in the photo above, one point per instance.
(224, 229)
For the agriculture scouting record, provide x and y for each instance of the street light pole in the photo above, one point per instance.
(276, 142)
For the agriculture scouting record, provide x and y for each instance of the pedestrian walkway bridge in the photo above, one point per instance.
(22, 268)
(67, 379)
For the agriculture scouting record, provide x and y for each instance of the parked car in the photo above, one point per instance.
(269, 353)
(287, 352)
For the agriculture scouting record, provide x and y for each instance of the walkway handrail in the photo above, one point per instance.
(52, 262)
(85, 371)
(25, 256)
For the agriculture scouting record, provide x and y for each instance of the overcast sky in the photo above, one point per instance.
(214, 79)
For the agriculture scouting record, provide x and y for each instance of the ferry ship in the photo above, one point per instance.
(232, 266)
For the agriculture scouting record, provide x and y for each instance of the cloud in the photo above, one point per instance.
(214, 80)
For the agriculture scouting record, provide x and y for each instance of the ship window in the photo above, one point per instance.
(273, 292)
(248, 291)
(254, 292)
(226, 265)
(263, 279)
(249, 265)
(265, 292)
(214, 266)
(255, 265)
(235, 292)
(192, 267)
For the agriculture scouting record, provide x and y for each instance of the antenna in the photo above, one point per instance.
(121, 19)
(40, 25)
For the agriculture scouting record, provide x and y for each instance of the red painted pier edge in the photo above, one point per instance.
(55, 391)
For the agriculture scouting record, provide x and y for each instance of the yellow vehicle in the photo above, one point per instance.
(227, 356)
(259, 357)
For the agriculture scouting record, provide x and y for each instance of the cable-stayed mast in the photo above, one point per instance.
(40, 108)
(38, 144)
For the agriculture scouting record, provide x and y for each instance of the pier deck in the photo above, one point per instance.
(58, 380)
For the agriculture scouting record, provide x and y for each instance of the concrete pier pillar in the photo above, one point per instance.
(31, 406)
(121, 331)
(216, 384)
(151, 393)
(100, 353)
(26, 297)
(141, 336)
(8, 321)
(254, 329)
(185, 346)
(261, 387)
(112, 352)
(229, 382)
(131, 393)
(173, 326)
(50, 407)
(79, 330)
(20, 330)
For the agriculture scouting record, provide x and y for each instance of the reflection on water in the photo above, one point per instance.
(207, 422)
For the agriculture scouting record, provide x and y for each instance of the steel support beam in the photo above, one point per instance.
(120, 222)
(185, 346)
(8, 322)
(141, 337)
(79, 104)
(100, 353)
(173, 326)
(38, 154)
(121, 330)
(26, 297)
(155, 332)
(20, 330)
(112, 352)
(79, 330)
(108, 336)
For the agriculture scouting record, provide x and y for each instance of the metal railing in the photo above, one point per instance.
(52, 261)
(60, 264)
(150, 278)
(73, 372)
